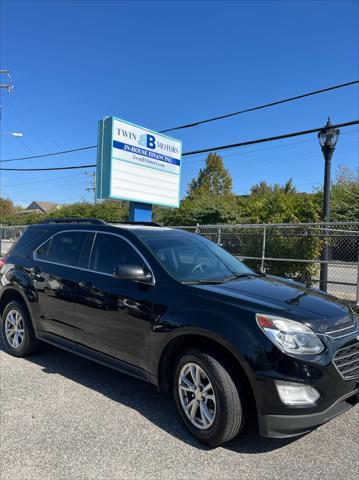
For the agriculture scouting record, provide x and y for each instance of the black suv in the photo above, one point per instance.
(176, 310)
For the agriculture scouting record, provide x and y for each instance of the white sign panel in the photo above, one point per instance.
(144, 166)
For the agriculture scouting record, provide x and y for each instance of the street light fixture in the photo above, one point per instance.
(328, 138)
(14, 134)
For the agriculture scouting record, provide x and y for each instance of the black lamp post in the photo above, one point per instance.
(328, 138)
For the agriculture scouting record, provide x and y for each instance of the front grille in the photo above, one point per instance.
(347, 327)
(346, 361)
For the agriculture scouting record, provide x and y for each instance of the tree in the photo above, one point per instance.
(282, 204)
(278, 204)
(263, 188)
(345, 196)
(289, 187)
(204, 209)
(213, 179)
(108, 211)
(209, 199)
(6, 208)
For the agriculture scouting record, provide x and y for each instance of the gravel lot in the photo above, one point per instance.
(64, 417)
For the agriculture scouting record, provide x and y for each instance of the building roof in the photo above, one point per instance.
(39, 207)
(45, 207)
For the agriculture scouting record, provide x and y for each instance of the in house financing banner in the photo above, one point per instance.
(137, 164)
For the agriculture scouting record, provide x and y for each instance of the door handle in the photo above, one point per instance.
(86, 284)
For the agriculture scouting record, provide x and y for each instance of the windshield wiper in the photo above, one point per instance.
(240, 275)
(208, 281)
(203, 281)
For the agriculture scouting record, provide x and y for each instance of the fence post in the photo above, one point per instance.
(264, 248)
(197, 228)
(0, 238)
(324, 266)
(219, 237)
(357, 294)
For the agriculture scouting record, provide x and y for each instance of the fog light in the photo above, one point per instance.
(296, 393)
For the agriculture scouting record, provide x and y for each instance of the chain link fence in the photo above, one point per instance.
(295, 251)
(287, 250)
(8, 236)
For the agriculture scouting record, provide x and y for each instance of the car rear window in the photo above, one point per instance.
(29, 240)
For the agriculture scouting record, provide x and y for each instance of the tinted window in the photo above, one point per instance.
(66, 248)
(191, 257)
(28, 241)
(42, 251)
(110, 251)
(86, 250)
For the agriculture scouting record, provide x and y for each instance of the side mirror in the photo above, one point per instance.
(135, 273)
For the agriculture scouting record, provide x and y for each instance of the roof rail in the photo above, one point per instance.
(94, 221)
(150, 224)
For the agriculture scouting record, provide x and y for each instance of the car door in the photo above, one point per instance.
(55, 274)
(114, 316)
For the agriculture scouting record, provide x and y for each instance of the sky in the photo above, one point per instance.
(160, 64)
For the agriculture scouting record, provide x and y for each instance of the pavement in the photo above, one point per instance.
(67, 418)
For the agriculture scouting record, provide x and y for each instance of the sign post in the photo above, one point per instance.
(140, 212)
(137, 165)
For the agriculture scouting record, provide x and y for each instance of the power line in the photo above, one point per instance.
(268, 139)
(300, 142)
(29, 128)
(47, 169)
(250, 151)
(20, 139)
(259, 107)
(90, 147)
(47, 180)
(37, 117)
(200, 122)
(196, 152)
(70, 185)
(303, 156)
(48, 154)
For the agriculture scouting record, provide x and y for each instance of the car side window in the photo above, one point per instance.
(65, 248)
(109, 251)
(41, 252)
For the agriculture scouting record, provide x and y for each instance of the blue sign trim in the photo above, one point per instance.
(145, 153)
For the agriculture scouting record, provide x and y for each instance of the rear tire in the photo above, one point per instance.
(17, 333)
(208, 398)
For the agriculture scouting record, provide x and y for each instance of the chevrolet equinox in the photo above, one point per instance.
(174, 309)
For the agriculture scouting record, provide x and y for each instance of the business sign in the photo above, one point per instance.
(137, 164)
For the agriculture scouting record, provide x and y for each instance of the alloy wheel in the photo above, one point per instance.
(197, 396)
(14, 329)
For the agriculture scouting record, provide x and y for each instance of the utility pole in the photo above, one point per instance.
(92, 184)
(7, 86)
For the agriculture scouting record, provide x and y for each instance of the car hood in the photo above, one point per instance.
(279, 296)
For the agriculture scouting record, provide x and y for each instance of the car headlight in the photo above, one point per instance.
(289, 335)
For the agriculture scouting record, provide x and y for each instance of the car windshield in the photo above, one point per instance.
(190, 258)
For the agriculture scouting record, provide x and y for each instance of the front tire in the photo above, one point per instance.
(18, 336)
(208, 398)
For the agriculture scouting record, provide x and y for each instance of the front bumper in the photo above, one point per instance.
(284, 426)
